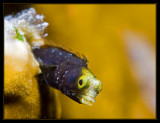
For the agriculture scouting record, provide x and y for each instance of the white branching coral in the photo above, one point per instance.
(31, 17)
(28, 24)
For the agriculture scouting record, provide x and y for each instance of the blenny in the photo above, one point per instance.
(67, 72)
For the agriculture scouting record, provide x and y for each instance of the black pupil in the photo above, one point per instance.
(80, 82)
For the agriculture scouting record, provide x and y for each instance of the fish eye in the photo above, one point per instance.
(82, 83)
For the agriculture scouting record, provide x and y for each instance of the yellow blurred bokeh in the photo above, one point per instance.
(98, 31)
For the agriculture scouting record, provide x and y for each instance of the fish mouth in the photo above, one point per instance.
(88, 100)
(88, 95)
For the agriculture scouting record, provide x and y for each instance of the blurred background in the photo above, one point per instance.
(119, 41)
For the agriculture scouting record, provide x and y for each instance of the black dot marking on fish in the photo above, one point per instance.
(81, 82)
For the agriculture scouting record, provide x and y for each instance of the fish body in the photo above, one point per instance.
(67, 72)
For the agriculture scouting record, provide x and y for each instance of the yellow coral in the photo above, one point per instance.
(22, 95)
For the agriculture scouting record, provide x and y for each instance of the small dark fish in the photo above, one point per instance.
(67, 72)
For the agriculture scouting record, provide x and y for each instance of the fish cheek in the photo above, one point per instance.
(70, 79)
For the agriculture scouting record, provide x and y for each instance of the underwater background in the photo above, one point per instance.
(119, 41)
